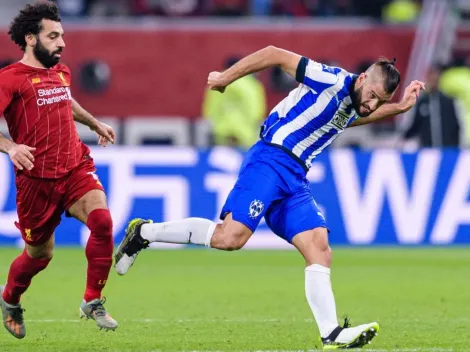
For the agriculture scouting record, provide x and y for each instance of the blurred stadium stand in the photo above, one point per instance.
(142, 64)
(224, 8)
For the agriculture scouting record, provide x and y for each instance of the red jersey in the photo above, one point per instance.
(37, 105)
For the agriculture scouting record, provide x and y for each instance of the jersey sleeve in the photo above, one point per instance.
(354, 118)
(6, 93)
(315, 75)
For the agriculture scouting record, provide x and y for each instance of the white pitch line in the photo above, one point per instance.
(52, 320)
(234, 320)
(151, 320)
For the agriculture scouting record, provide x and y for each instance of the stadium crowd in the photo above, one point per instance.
(401, 10)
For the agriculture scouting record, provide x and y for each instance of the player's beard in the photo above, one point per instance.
(356, 98)
(47, 59)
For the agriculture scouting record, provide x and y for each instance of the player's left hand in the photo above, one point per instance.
(411, 95)
(105, 134)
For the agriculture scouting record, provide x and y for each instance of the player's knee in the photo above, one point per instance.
(45, 255)
(314, 246)
(320, 240)
(100, 223)
(45, 251)
(322, 247)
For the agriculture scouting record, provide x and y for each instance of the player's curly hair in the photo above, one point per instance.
(390, 73)
(29, 20)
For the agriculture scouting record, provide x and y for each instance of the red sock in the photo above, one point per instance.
(22, 270)
(99, 252)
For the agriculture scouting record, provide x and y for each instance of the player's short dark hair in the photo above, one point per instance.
(29, 20)
(390, 73)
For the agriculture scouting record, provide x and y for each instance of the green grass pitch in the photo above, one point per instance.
(205, 300)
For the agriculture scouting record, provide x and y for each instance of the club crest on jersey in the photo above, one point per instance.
(62, 78)
(28, 234)
(256, 208)
(340, 120)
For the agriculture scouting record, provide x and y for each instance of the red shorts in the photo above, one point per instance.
(41, 202)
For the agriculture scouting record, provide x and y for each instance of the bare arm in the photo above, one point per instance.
(258, 61)
(82, 116)
(5, 144)
(105, 132)
(383, 112)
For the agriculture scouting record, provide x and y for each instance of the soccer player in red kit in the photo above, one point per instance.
(54, 169)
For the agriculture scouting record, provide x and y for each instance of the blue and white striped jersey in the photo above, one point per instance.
(314, 113)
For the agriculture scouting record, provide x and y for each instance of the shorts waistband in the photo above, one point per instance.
(288, 152)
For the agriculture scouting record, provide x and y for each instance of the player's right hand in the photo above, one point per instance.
(215, 82)
(22, 156)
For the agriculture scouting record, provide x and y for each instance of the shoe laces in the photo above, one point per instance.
(346, 323)
(98, 307)
(16, 313)
(136, 245)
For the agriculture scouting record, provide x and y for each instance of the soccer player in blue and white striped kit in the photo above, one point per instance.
(272, 180)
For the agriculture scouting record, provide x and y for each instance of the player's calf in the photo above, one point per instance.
(21, 272)
(314, 247)
(29, 263)
(231, 235)
(99, 252)
(140, 233)
(230, 240)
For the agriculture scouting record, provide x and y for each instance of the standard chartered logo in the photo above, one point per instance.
(53, 95)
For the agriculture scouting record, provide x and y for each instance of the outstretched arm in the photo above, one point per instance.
(258, 61)
(82, 116)
(388, 110)
(105, 132)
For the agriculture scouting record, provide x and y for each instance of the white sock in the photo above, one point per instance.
(192, 230)
(320, 298)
